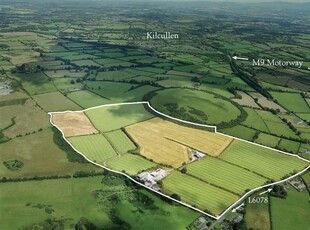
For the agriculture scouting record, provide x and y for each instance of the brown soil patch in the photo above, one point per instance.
(73, 123)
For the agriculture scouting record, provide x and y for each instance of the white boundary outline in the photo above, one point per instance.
(191, 123)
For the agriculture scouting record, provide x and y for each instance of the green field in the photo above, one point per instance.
(275, 125)
(255, 121)
(291, 213)
(114, 75)
(306, 178)
(165, 217)
(266, 162)
(35, 83)
(293, 101)
(120, 142)
(66, 83)
(95, 147)
(65, 74)
(78, 195)
(287, 145)
(55, 101)
(110, 118)
(120, 92)
(131, 164)
(267, 140)
(40, 155)
(225, 175)
(74, 193)
(304, 116)
(87, 99)
(28, 118)
(197, 193)
(194, 106)
(241, 132)
(257, 214)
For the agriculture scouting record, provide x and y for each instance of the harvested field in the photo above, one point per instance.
(166, 142)
(267, 103)
(73, 123)
(246, 100)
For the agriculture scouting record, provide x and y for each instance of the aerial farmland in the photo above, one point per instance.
(131, 139)
(103, 126)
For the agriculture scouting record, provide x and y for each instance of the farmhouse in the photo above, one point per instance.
(150, 179)
(298, 185)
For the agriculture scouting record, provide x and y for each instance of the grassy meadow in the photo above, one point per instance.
(109, 118)
(263, 161)
(96, 147)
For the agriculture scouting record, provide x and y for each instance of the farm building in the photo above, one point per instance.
(150, 179)
(298, 185)
(198, 154)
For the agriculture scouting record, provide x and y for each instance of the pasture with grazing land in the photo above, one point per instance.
(95, 147)
(240, 131)
(130, 163)
(35, 83)
(253, 120)
(292, 212)
(28, 118)
(268, 140)
(55, 101)
(86, 99)
(292, 101)
(225, 175)
(120, 142)
(257, 214)
(195, 106)
(266, 162)
(108, 118)
(40, 155)
(195, 192)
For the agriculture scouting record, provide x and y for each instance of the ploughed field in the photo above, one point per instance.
(127, 138)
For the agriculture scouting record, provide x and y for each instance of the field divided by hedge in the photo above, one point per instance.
(225, 175)
(120, 142)
(198, 193)
(266, 162)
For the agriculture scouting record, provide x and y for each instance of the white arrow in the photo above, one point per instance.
(235, 209)
(268, 190)
(239, 58)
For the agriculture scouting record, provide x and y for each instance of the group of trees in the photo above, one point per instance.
(278, 191)
(72, 156)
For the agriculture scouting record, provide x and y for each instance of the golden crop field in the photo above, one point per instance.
(167, 143)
